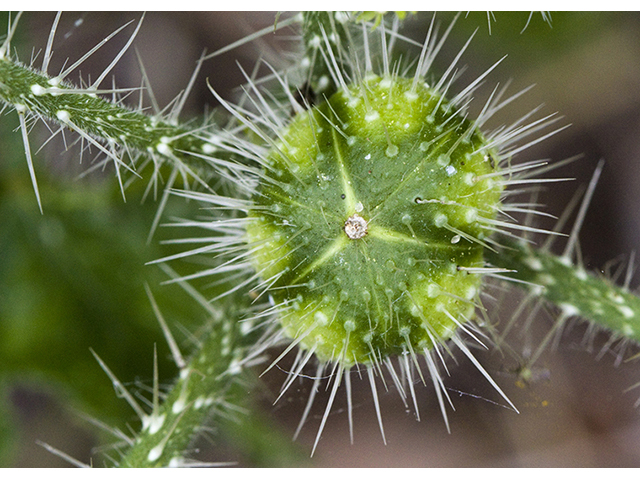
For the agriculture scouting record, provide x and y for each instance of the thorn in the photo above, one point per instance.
(119, 387)
(118, 56)
(253, 36)
(63, 455)
(47, 52)
(347, 382)
(312, 396)
(116, 432)
(376, 401)
(630, 271)
(336, 383)
(573, 237)
(175, 113)
(215, 313)
(5, 49)
(163, 203)
(295, 373)
(173, 345)
(460, 344)
(156, 383)
(409, 374)
(27, 151)
(438, 386)
(90, 52)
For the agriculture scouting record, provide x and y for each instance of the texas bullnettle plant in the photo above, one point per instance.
(359, 219)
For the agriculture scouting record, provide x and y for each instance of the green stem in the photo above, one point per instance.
(202, 390)
(571, 288)
(120, 129)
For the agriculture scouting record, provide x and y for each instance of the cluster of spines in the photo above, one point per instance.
(344, 67)
(564, 282)
(132, 140)
(340, 72)
(128, 138)
(172, 421)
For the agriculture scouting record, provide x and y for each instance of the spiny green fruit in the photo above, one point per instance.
(364, 217)
(370, 218)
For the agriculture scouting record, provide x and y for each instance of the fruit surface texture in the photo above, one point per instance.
(370, 218)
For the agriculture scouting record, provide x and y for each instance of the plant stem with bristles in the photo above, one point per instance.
(199, 393)
(575, 291)
(111, 128)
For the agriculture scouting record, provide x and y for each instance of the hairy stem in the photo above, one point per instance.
(201, 391)
(571, 288)
(24, 88)
(109, 127)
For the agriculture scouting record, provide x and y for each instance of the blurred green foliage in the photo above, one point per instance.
(73, 279)
(545, 36)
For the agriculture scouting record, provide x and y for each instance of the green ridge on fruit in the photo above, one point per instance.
(368, 215)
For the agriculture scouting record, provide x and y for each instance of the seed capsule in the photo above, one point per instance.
(357, 232)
